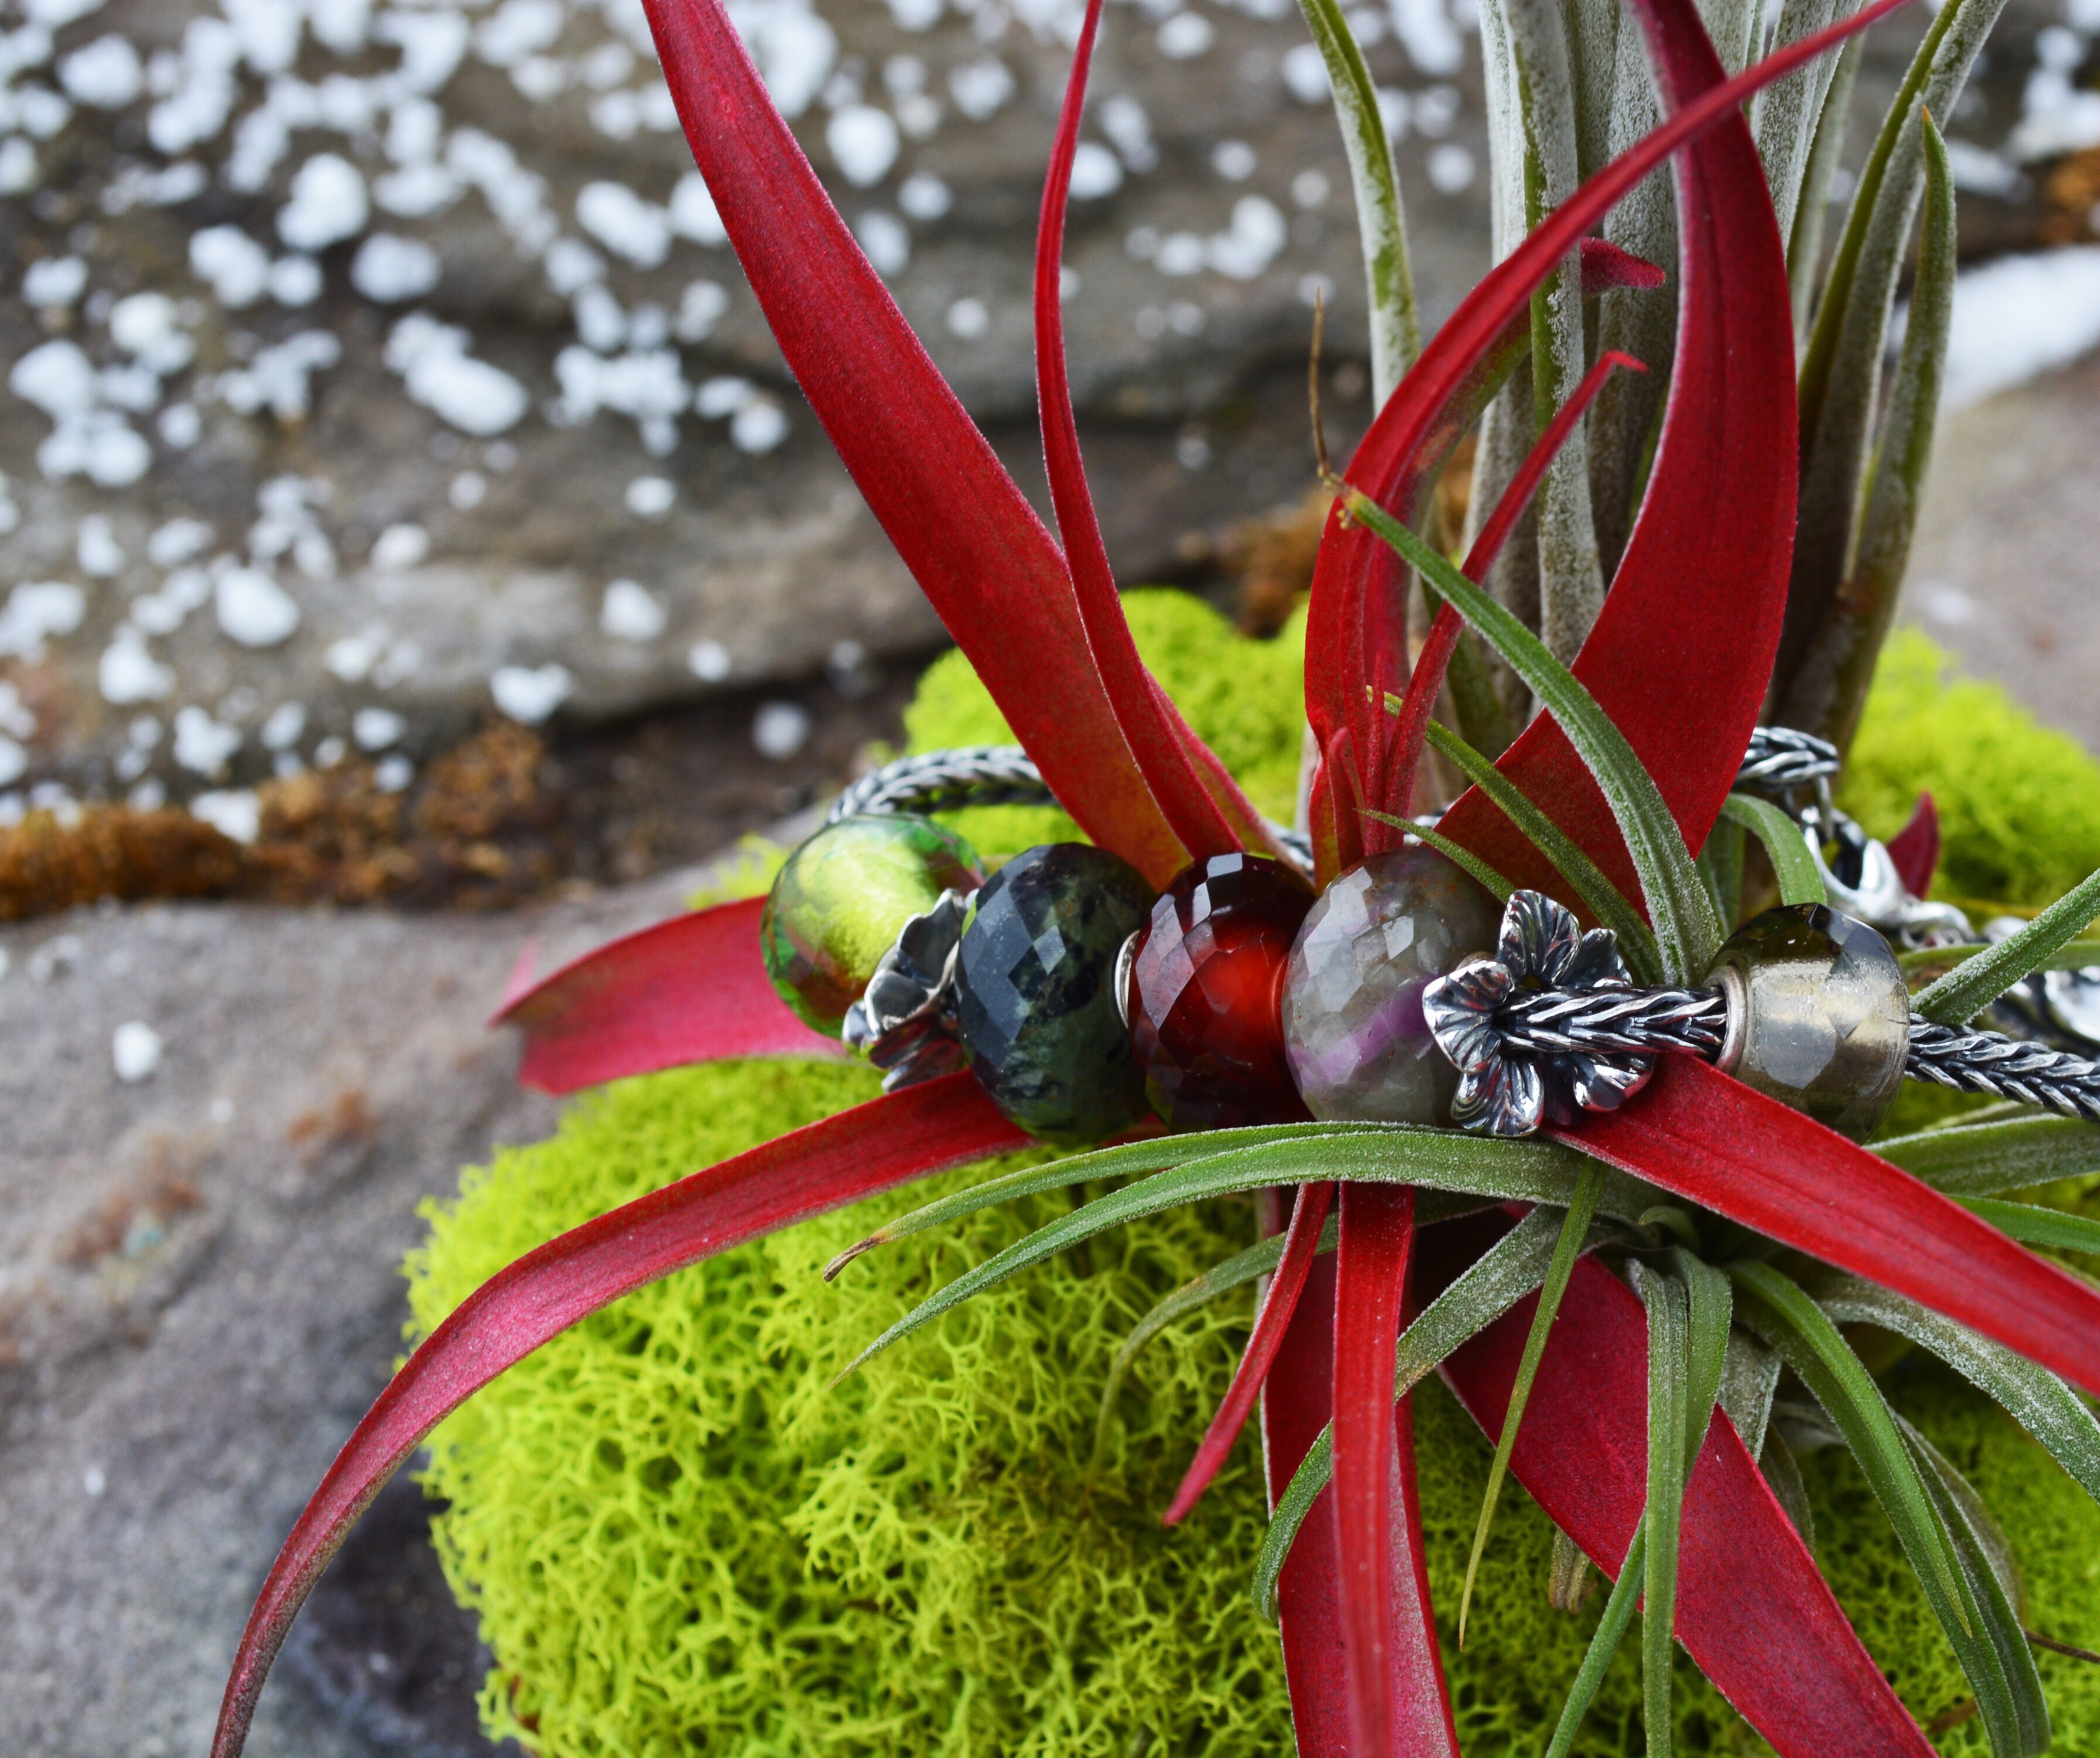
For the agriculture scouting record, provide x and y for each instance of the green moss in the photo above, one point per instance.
(2019, 806)
(679, 1540)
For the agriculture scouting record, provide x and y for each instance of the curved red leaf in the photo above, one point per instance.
(1309, 1216)
(692, 989)
(924, 1128)
(1397, 1702)
(1703, 1136)
(962, 527)
(1159, 738)
(1752, 1608)
(1296, 1402)
(1416, 706)
(1915, 849)
(1682, 654)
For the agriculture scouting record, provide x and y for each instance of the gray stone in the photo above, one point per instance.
(2005, 570)
(200, 1294)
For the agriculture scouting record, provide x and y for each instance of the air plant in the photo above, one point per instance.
(1616, 1298)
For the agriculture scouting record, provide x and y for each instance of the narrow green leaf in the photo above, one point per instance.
(1567, 1582)
(1669, 1423)
(1709, 1313)
(1604, 1645)
(1574, 1229)
(1799, 882)
(2033, 1225)
(1503, 1275)
(1785, 115)
(1381, 221)
(1686, 928)
(1837, 664)
(1444, 1159)
(1793, 1323)
(1721, 866)
(2033, 1396)
(1986, 1569)
(1933, 961)
(1604, 900)
(1257, 1261)
(1982, 1159)
(1971, 986)
(1748, 1378)
(1488, 879)
(1804, 248)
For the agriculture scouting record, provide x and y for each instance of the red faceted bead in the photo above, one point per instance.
(1205, 991)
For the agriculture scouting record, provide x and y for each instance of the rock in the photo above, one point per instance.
(2003, 570)
(199, 1296)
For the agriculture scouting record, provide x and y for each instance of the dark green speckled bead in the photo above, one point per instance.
(1035, 991)
(840, 902)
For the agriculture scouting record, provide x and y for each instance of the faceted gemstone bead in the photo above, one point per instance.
(1205, 993)
(840, 902)
(1353, 1028)
(1035, 991)
(1819, 1015)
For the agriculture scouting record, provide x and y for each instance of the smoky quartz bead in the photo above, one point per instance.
(1819, 1015)
(1035, 991)
(1359, 1046)
(1206, 991)
(838, 903)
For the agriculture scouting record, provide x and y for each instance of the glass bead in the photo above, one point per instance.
(1035, 991)
(1819, 1015)
(1353, 1029)
(842, 898)
(1206, 991)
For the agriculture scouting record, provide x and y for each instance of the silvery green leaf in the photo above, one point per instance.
(1784, 116)
(1749, 1376)
(1811, 212)
(1974, 983)
(2010, 1154)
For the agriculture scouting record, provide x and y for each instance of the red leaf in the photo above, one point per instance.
(1709, 1138)
(1420, 703)
(1397, 1702)
(692, 989)
(962, 527)
(1157, 736)
(1296, 1402)
(1752, 1608)
(924, 1128)
(1681, 655)
(1915, 849)
(1309, 1216)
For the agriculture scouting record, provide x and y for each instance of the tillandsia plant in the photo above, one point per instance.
(1606, 1182)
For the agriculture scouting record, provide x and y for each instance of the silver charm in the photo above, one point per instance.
(906, 1021)
(1508, 1091)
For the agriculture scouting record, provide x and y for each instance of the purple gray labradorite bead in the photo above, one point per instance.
(1359, 1047)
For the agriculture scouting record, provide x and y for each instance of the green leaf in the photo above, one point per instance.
(1442, 1159)
(2033, 1225)
(1487, 877)
(1503, 1275)
(1709, 1312)
(1604, 1645)
(1670, 1440)
(2033, 1396)
(1982, 1159)
(1574, 1229)
(1686, 928)
(1257, 1261)
(1804, 247)
(1936, 961)
(1794, 1324)
(1838, 663)
(1604, 900)
(1784, 116)
(1789, 1490)
(1799, 880)
(1721, 866)
(1381, 221)
(1972, 986)
(1749, 1376)
(1986, 1569)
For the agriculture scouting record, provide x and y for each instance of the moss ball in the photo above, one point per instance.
(679, 1539)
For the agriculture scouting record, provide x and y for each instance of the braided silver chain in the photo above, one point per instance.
(1605, 1021)
(2014, 1068)
(1779, 758)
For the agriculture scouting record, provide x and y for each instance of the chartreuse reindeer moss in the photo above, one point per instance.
(680, 1540)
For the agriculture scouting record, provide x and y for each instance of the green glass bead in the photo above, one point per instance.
(1819, 1015)
(840, 902)
(1035, 991)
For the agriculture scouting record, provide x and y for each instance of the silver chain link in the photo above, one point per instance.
(2014, 1068)
(1605, 1021)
